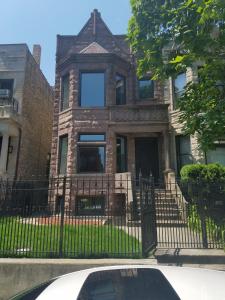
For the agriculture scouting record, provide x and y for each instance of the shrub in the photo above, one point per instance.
(211, 173)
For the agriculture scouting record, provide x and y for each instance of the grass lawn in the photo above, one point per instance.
(19, 238)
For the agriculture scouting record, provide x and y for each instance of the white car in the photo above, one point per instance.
(132, 282)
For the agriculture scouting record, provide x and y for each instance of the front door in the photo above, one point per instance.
(146, 157)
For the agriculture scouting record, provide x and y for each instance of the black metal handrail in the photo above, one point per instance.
(10, 102)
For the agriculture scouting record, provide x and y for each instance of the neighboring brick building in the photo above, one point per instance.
(26, 108)
(185, 149)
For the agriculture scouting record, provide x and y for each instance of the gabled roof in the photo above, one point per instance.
(94, 38)
(93, 48)
(94, 26)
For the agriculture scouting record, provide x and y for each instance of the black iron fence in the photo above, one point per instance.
(73, 217)
(108, 216)
(190, 214)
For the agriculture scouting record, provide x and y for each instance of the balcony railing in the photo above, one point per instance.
(158, 113)
(13, 103)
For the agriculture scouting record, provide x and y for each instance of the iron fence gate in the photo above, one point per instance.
(148, 215)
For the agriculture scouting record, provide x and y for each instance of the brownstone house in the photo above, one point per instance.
(106, 121)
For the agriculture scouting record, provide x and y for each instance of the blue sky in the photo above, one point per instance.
(39, 21)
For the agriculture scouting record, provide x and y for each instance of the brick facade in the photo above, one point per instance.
(36, 111)
(27, 128)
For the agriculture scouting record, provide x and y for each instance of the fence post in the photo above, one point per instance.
(140, 189)
(62, 213)
(203, 224)
(142, 215)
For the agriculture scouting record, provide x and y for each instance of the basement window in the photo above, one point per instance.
(90, 205)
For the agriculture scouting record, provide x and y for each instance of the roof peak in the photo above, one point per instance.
(94, 21)
(95, 11)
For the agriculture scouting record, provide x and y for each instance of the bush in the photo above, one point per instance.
(211, 173)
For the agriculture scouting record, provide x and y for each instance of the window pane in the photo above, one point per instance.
(120, 90)
(65, 93)
(183, 146)
(121, 154)
(179, 84)
(217, 155)
(63, 148)
(92, 137)
(146, 88)
(7, 84)
(92, 89)
(91, 159)
(90, 205)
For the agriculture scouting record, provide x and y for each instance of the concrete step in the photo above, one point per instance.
(173, 224)
(167, 211)
(131, 223)
(165, 201)
(164, 197)
(167, 217)
(166, 206)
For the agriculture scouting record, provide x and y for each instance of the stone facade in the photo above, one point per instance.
(197, 156)
(96, 48)
(154, 137)
(26, 131)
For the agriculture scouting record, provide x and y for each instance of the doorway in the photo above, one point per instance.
(147, 157)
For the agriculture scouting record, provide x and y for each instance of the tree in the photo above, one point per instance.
(167, 37)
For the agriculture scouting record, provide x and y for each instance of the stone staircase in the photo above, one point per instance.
(168, 213)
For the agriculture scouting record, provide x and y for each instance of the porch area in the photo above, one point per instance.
(139, 151)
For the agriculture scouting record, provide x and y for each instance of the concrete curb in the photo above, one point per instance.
(190, 256)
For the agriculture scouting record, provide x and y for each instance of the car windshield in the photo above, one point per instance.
(33, 293)
(127, 284)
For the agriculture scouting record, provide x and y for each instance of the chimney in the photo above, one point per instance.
(37, 54)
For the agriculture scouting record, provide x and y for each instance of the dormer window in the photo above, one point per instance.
(146, 89)
(120, 89)
(92, 89)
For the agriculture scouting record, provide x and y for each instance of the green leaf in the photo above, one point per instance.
(177, 59)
